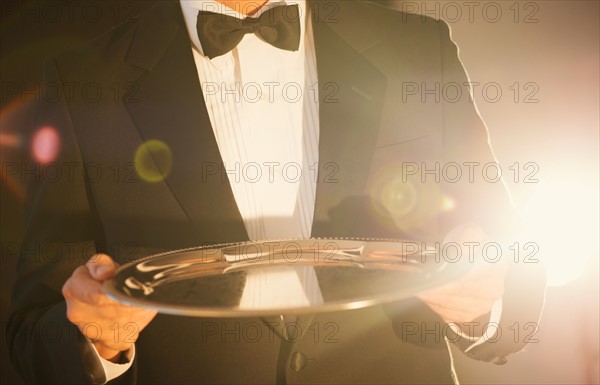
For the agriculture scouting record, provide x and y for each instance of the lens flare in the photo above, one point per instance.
(448, 204)
(397, 197)
(411, 203)
(45, 144)
(562, 218)
(10, 140)
(153, 161)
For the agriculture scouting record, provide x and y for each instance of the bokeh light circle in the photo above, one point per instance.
(398, 197)
(45, 144)
(409, 202)
(153, 160)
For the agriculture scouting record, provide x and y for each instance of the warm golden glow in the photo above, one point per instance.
(562, 219)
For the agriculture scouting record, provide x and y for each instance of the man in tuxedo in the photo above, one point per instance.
(160, 161)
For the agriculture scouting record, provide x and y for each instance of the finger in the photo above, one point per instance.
(101, 267)
(84, 288)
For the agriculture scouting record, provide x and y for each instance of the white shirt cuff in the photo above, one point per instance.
(490, 330)
(112, 370)
(492, 327)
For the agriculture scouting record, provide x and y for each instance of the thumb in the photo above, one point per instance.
(101, 267)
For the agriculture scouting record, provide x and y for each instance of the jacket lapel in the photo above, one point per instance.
(351, 96)
(168, 105)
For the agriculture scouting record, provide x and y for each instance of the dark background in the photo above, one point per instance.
(558, 52)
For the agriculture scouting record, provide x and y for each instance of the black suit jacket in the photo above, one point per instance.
(149, 89)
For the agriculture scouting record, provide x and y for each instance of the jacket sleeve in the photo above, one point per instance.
(62, 232)
(484, 200)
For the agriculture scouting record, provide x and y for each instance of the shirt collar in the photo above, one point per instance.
(190, 9)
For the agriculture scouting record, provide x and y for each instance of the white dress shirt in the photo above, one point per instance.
(264, 113)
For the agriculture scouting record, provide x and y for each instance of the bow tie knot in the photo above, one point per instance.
(219, 34)
(251, 25)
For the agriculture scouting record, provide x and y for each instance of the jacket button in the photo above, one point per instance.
(298, 361)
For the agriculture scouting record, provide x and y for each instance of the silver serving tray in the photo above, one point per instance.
(270, 278)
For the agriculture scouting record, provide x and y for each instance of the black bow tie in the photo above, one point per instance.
(219, 34)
